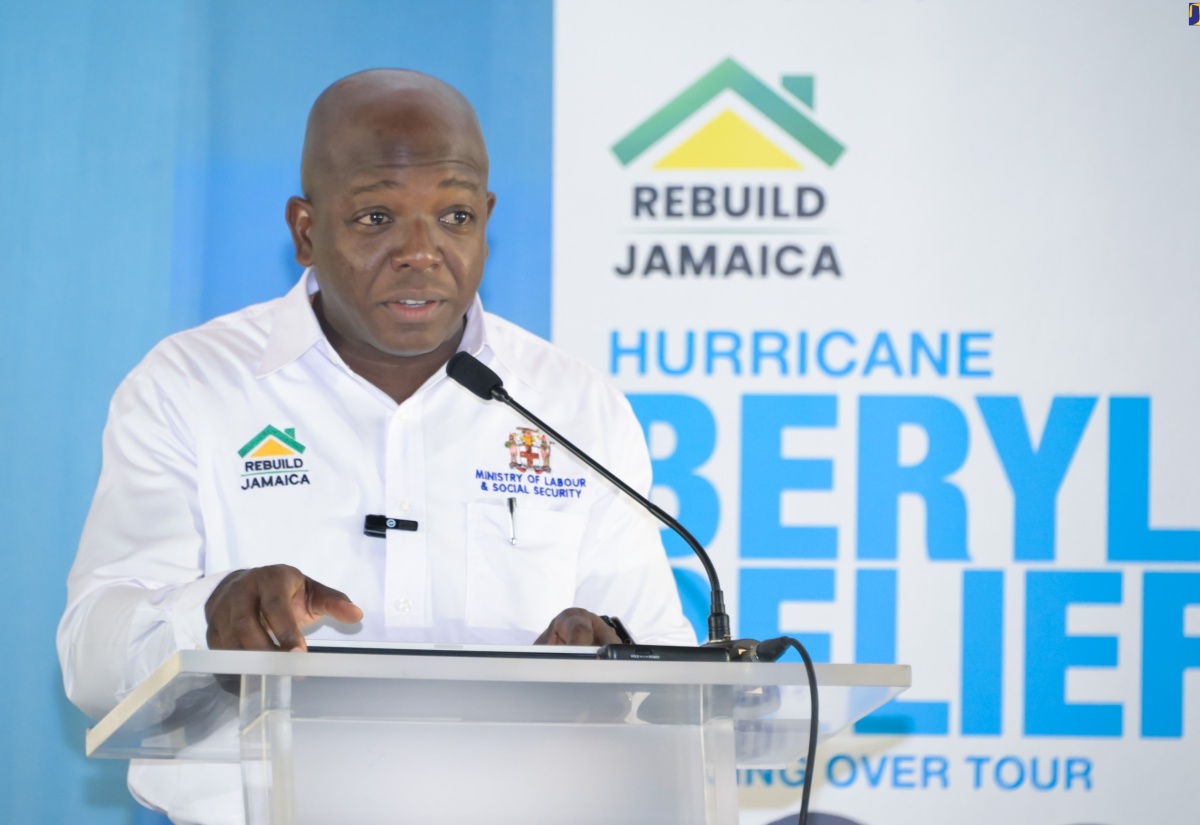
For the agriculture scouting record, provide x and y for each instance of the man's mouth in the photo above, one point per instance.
(413, 309)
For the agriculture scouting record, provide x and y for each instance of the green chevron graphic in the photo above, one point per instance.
(729, 75)
(286, 437)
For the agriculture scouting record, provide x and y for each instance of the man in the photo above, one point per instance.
(241, 457)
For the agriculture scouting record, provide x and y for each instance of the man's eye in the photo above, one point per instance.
(458, 217)
(373, 219)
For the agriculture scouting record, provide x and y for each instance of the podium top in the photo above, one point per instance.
(189, 707)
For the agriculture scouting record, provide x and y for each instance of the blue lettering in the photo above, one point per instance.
(1079, 768)
(983, 652)
(940, 361)
(1166, 651)
(1018, 775)
(766, 777)
(618, 351)
(841, 760)
(823, 362)
(883, 354)
(875, 643)
(892, 770)
(758, 617)
(688, 359)
(935, 767)
(902, 771)
(766, 475)
(696, 436)
(968, 353)
(1049, 652)
(874, 777)
(977, 762)
(1036, 475)
(793, 776)
(1130, 536)
(730, 350)
(760, 352)
(882, 479)
(1043, 784)
(695, 596)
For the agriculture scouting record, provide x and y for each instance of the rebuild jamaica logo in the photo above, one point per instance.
(272, 459)
(738, 177)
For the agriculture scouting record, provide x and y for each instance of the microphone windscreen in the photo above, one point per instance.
(467, 370)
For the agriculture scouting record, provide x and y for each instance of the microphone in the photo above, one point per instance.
(752, 650)
(467, 370)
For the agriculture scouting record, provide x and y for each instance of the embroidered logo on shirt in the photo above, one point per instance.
(528, 449)
(272, 459)
(529, 469)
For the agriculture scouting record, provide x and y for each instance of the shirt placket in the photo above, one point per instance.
(406, 602)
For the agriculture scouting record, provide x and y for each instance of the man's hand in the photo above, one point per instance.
(576, 626)
(278, 598)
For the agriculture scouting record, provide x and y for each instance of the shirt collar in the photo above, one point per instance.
(475, 337)
(295, 329)
(294, 326)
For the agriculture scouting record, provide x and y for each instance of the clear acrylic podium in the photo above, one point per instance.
(374, 738)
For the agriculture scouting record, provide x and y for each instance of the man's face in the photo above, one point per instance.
(396, 229)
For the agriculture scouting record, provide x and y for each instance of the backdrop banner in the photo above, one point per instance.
(904, 295)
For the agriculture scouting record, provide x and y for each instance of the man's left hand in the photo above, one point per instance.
(576, 626)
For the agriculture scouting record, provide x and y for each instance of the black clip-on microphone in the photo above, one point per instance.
(469, 371)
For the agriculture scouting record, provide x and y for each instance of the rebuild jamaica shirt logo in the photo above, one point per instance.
(272, 459)
(729, 177)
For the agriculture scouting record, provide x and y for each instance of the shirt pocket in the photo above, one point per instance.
(520, 586)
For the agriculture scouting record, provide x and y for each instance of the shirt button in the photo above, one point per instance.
(403, 415)
(404, 606)
(404, 506)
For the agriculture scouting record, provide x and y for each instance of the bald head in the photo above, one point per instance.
(388, 117)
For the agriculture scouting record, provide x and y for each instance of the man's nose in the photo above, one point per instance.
(415, 247)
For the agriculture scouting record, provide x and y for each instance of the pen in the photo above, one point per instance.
(512, 519)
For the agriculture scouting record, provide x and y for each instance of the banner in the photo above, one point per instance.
(904, 295)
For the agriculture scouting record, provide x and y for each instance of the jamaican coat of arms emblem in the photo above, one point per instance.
(528, 450)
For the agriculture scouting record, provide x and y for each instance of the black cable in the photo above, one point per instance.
(813, 728)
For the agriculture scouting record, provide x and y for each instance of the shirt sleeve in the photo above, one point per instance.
(136, 592)
(623, 568)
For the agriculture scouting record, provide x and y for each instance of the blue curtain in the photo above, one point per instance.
(146, 152)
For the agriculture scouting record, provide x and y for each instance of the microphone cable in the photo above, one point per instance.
(481, 380)
(770, 650)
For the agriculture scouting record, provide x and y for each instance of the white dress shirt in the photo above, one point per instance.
(248, 441)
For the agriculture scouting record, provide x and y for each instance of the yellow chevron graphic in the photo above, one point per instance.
(728, 142)
(271, 449)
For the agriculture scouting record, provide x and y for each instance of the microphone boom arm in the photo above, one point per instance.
(718, 619)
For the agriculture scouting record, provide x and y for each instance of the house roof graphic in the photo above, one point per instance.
(728, 74)
(272, 442)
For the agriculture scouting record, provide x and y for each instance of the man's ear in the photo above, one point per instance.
(299, 217)
(491, 204)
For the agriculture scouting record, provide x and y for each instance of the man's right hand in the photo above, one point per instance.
(279, 598)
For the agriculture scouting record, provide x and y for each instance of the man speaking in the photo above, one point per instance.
(242, 457)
